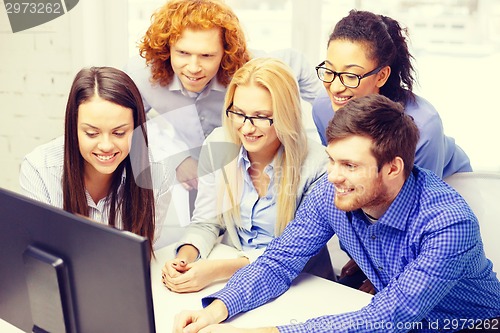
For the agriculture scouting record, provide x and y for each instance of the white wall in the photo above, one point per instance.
(37, 67)
(35, 72)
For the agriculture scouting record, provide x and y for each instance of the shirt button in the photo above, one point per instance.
(373, 236)
(380, 268)
(202, 118)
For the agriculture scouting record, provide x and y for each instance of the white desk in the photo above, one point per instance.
(309, 297)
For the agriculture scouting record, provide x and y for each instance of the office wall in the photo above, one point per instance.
(37, 67)
(35, 72)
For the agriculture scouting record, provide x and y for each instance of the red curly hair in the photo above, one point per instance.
(170, 20)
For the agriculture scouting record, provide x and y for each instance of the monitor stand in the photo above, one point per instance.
(49, 292)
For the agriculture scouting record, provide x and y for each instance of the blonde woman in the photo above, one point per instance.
(254, 172)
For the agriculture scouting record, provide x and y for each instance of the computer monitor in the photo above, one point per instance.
(60, 272)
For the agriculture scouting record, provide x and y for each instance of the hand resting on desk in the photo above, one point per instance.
(205, 321)
(183, 274)
(226, 328)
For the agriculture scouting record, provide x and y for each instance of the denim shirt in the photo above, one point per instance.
(258, 214)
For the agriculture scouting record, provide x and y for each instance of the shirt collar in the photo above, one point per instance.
(176, 84)
(244, 161)
(104, 201)
(398, 214)
(214, 84)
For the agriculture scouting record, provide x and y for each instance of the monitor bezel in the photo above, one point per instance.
(108, 269)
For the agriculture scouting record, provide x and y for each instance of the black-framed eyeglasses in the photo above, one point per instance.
(350, 80)
(240, 117)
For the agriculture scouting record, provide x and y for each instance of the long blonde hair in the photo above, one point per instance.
(277, 78)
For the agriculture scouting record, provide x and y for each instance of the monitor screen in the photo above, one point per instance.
(60, 272)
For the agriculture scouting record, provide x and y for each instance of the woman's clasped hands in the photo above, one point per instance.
(181, 276)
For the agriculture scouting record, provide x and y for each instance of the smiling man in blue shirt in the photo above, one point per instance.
(414, 237)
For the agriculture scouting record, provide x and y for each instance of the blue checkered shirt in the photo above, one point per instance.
(424, 256)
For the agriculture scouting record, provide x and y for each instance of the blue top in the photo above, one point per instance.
(258, 214)
(435, 151)
(424, 256)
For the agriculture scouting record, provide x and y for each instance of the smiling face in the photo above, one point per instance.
(262, 143)
(354, 173)
(104, 135)
(196, 57)
(346, 56)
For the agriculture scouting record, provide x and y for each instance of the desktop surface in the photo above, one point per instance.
(308, 297)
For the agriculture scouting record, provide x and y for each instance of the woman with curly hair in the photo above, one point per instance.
(191, 50)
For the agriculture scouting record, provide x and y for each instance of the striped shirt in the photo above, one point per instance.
(424, 256)
(41, 173)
